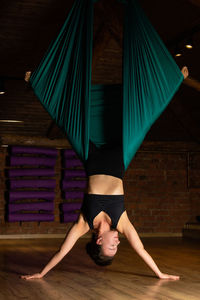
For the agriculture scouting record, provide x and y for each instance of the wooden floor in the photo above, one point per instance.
(77, 277)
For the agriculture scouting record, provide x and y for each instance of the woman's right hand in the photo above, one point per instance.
(167, 276)
(34, 276)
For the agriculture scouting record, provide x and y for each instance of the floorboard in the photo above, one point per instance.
(77, 277)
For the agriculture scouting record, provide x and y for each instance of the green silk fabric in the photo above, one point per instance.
(106, 113)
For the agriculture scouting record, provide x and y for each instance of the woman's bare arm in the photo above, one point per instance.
(72, 236)
(129, 231)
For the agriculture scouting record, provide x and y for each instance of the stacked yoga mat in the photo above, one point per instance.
(31, 184)
(73, 185)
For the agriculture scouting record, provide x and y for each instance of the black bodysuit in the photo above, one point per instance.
(107, 159)
(93, 204)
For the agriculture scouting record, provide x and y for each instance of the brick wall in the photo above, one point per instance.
(157, 193)
(161, 189)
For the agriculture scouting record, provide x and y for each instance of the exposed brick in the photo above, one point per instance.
(157, 197)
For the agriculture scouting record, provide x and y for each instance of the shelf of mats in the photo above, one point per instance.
(30, 184)
(73, 184)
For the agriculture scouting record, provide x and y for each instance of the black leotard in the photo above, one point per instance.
(107, 159)
(93, 204)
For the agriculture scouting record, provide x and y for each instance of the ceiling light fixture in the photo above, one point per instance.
(11, 121)
(2, 88)
(178, 52)
(189, 43)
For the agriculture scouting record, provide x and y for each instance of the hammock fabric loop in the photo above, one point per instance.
(106, 113)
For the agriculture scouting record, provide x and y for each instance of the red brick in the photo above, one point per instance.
(156, 194)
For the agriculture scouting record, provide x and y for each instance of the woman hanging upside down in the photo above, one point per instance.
(103, 212)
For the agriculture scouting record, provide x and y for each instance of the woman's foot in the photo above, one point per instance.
(27, 76)
(185, 72)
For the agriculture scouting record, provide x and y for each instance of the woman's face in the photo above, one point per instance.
(109, 241)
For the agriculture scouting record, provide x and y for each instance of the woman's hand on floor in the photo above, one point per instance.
(34, 276)
(167, 276)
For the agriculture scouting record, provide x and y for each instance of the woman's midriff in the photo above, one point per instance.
(105, 185)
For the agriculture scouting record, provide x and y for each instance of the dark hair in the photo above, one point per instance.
(94, 251)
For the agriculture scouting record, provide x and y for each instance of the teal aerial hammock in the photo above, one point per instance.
(62, 82)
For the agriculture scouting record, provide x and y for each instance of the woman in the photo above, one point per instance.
(103, 212)
(107, 238)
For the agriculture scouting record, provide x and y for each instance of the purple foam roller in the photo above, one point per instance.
(70, 206)
(74, 195)
(49, 183)
(70, 217)
(30, 217)
(72, 162)
(73, 184)
(74, 173)
(31, 172)
(69, 153)
(17, 195)
(32, 161)
(33, 150)
(49, 206)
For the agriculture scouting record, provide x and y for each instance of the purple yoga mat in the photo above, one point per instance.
(74, 173)
(73, 184)
(34, 150)
(31, 172)
(72, 162)
(30, 217)
(70, 206)
(74, 195)
(69, 153)
(70, 217)
(17, 195)
(32, 161)
(48, 183)
(49, 206)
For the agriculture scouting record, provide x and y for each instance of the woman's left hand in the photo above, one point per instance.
(167, 276)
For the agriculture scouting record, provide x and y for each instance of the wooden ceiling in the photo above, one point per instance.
(28, 26)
